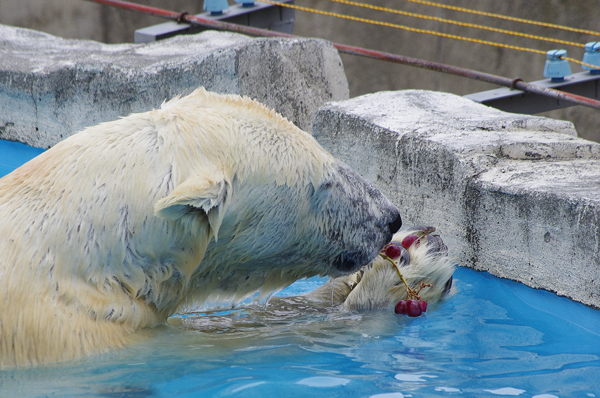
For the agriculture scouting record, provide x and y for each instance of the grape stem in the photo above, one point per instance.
(411, 293)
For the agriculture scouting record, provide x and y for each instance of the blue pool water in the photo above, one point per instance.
(14, 154)
(492, 338)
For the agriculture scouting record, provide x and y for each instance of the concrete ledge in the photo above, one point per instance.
(51, 88)
(515, 195)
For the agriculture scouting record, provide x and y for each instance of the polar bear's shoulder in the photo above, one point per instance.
(200, 98)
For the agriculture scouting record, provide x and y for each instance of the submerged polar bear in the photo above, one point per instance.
(209, 199)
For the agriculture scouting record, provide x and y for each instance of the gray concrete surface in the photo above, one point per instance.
(51, 87)
(515, 195)
(86, 20)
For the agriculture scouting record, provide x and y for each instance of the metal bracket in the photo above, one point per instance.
(260, 15)
(584, 84)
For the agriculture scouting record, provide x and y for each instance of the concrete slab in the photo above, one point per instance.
(51, 88)
(515, 195)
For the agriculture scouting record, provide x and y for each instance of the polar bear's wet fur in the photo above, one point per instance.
(210, 198)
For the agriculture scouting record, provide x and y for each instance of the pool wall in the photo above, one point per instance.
(514, 195)
(51, 87)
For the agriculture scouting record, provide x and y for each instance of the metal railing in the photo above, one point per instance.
(513, 84)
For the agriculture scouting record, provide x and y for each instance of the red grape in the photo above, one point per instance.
(413, 308)
(423, 305)
(409, 240)
(400, 307)
(393, 251)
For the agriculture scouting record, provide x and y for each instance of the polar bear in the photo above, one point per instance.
(210, 198)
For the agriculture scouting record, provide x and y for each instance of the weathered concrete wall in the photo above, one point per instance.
(515, 195)
(86, 20)
(51, 88)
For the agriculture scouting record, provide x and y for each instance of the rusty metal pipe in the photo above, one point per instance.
(399, 59)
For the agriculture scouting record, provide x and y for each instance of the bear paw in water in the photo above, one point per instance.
(397, 254)
(421, 272)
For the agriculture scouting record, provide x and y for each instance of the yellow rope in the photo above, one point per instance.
(417, 30)
(464, 24)
(508, 18)
(576, 61)
(407, 28)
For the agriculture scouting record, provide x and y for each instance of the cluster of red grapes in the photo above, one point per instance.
(413, 306)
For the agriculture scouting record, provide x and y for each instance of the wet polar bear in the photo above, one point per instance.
(210, 198)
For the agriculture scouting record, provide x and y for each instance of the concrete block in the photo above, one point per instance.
(51, 88)
(515, 195)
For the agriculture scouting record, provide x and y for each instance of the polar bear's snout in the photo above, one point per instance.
(350, 261)
(365, 220)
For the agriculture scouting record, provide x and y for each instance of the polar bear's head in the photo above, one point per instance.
(272, 203)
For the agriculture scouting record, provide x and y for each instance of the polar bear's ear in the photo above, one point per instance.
(207, 196)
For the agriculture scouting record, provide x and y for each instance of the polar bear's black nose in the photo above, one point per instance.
(396, 224)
